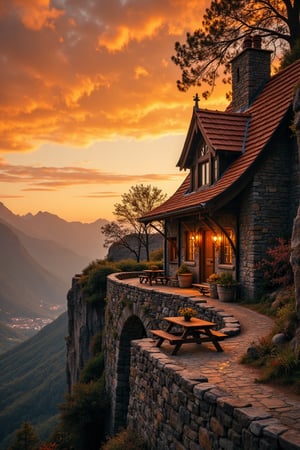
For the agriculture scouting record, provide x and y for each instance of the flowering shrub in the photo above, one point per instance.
(276, 266)
(187, 312)
(50, 446)
(213, 278)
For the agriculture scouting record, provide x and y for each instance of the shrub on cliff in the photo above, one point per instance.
(94, 367)
(83, 415)
(93, 280)
(126, 439)
(26, 438)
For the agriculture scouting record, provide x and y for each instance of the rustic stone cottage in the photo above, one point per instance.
(242, 190)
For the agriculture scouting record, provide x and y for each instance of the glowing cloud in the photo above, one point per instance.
(83, 70)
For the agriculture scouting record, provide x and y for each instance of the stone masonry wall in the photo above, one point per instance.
(130, 313)
(148, 391)
(250, 72)
(260, 221)
(174, 412)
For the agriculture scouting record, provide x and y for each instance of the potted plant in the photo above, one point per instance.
(187, 313)
(212, 281)
(185, 276)
(227, 287)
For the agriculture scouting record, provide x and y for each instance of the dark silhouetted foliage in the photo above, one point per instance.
(209, 50)
(26, 438)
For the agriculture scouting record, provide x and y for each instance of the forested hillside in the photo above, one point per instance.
(10, 337)
(27, 289)
(39, 256)
(33, 381)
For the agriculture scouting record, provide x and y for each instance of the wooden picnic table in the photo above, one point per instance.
(194, 331)
(150, 275)
(202, 287)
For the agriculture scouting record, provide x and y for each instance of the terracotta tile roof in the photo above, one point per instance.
(266, 114)
(221, 131)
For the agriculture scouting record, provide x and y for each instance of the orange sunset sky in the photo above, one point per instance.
(89, 103)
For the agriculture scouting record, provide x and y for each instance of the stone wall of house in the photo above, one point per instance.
(267, 210)
(172, 411)
(225, 219)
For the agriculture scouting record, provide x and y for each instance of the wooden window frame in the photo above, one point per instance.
(173, 249)
(226, 250)
(189, 246)
(205, 167)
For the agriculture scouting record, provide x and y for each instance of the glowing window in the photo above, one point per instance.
(226, 248)
(189, 247)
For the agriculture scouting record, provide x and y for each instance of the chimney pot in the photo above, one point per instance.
(247, 42)
(257, 41)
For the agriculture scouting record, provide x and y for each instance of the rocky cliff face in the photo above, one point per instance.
(84, 321)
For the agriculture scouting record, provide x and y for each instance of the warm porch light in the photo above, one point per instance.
(196, 239)
(217, 240)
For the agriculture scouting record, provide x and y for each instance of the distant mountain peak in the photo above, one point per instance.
(84, 239)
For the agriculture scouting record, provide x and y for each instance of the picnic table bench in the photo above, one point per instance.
(195, 331)
(203, 288)
(150, 276)
(144, 278)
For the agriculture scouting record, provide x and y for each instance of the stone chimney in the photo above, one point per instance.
(250, 72)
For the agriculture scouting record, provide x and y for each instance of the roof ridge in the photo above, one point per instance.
(248, 132)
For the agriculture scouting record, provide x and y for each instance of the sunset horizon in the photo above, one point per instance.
(90, 105)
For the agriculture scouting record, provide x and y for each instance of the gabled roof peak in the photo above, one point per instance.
(263, 119)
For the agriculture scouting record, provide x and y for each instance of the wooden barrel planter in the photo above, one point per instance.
(213, 291)
(226, 293)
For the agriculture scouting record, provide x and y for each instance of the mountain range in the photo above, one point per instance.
(38, 258)
(39, 255)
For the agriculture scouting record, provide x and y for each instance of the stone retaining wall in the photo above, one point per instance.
(131, 312)
(172, 411)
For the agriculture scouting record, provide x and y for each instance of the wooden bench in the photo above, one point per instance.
(203, 288)
(161, 279)
(177, 340)
(216, 336)
(143, 278)
(164, 335)
(219, 334)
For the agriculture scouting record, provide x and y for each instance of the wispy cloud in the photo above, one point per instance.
(57, 178)
(99, 195)
(74, 71)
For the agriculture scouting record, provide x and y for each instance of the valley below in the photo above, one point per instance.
(39, 256)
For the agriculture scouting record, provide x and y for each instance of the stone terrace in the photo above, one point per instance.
(224, 370)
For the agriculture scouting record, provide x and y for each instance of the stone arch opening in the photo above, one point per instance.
(133, 329)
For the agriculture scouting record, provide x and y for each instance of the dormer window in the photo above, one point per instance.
(204, 170)
(203, 149)
(203, 173)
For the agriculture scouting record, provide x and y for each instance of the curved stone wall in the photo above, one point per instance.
(172, 411)
(131, 311)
